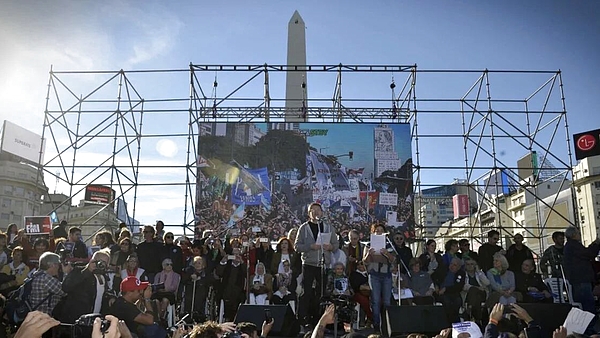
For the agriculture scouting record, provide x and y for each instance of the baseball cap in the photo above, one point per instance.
(131, 283)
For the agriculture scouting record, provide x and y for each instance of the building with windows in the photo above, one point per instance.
(21, 189)
(587, 191)
(91, 218)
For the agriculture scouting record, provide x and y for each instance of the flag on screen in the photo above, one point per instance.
(237, 215)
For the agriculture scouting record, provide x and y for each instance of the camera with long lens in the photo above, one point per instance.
(344, 308)
(83, 326)
(101, 267)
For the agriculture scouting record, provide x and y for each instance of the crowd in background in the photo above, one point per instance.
(138, 282)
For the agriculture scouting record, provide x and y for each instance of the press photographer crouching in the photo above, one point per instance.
(87, 289)
(141, 323)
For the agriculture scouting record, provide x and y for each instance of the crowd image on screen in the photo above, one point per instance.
(153, 279)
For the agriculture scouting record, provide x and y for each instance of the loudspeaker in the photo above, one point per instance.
(549, 316)
(427, 319)
(285, 324)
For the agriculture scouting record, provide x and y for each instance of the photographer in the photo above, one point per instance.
(85, 288)
(125, 308)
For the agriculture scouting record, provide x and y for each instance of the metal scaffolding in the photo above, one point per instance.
(480, 126)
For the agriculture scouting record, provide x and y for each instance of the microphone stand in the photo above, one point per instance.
(400, 264)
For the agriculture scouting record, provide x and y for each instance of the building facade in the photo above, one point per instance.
(587, 191)
(21, 189)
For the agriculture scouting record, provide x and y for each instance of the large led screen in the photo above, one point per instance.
(265, 175)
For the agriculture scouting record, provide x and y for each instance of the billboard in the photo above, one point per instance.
(99, 194)
(259, 174)
(587, 144)
(22, 143)
(460, 206)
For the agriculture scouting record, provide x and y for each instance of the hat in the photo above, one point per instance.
(131, 283)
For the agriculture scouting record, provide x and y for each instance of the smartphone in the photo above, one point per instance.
(256, 229)
(230, 257)
(268, 317)
(264, 240)
(245, 244)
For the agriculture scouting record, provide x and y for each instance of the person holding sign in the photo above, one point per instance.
(379, 262)
(315, 241)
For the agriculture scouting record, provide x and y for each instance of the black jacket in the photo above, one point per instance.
(578, 261)
(175, 254)
(149, 256)
(80, 286)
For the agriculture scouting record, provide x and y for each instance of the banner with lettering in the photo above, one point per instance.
(251, 187)
(37, 225)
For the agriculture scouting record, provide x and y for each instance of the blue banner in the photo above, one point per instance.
(251, 187)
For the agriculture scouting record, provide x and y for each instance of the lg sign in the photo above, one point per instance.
(587, 144)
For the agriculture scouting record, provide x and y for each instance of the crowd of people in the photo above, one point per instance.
(314, 262)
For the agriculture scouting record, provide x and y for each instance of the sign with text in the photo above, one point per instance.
(587, 144)
(388, 199)
(22, 143)
(37, 225)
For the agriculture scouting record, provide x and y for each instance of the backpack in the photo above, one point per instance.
(17, 304)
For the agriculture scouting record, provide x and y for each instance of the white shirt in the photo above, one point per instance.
(100, 284)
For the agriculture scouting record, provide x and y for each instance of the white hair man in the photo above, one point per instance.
(46, 290)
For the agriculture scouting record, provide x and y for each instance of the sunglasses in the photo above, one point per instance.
(168, 264)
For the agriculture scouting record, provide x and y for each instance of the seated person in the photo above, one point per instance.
(283, 281)
(337, 282)
(420, 283)
(476, 288)
(359, 280)
(502, 282)
(530, 284)
(450, 288)
(141, 323)
(132, 269)
(262, 285)
(197, 281)
(170, 281)
(16, 268)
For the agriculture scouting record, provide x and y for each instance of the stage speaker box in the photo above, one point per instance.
(427, 319)
(285, 324)
(548, 316)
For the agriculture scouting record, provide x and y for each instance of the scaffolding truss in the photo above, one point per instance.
(105, 126)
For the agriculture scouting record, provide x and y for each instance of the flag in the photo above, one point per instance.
(237, 215)
(265, 203)
(53, 217)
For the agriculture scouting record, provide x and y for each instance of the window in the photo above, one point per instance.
(596, 171)
(5, 216)
(6, 203)
(19, 191)
(597, 185)
(8, 189)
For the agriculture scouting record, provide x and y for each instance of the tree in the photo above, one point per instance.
(281, 150)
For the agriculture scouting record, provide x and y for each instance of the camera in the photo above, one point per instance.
(344, 308)
(84, 325)
(233, 334)
(101, 267)
(156, 287)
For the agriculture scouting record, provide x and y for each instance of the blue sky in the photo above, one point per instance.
(112, 35)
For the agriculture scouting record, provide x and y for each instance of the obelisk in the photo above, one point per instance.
(295, 82)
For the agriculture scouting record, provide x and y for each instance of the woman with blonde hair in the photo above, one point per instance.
(502, 282)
